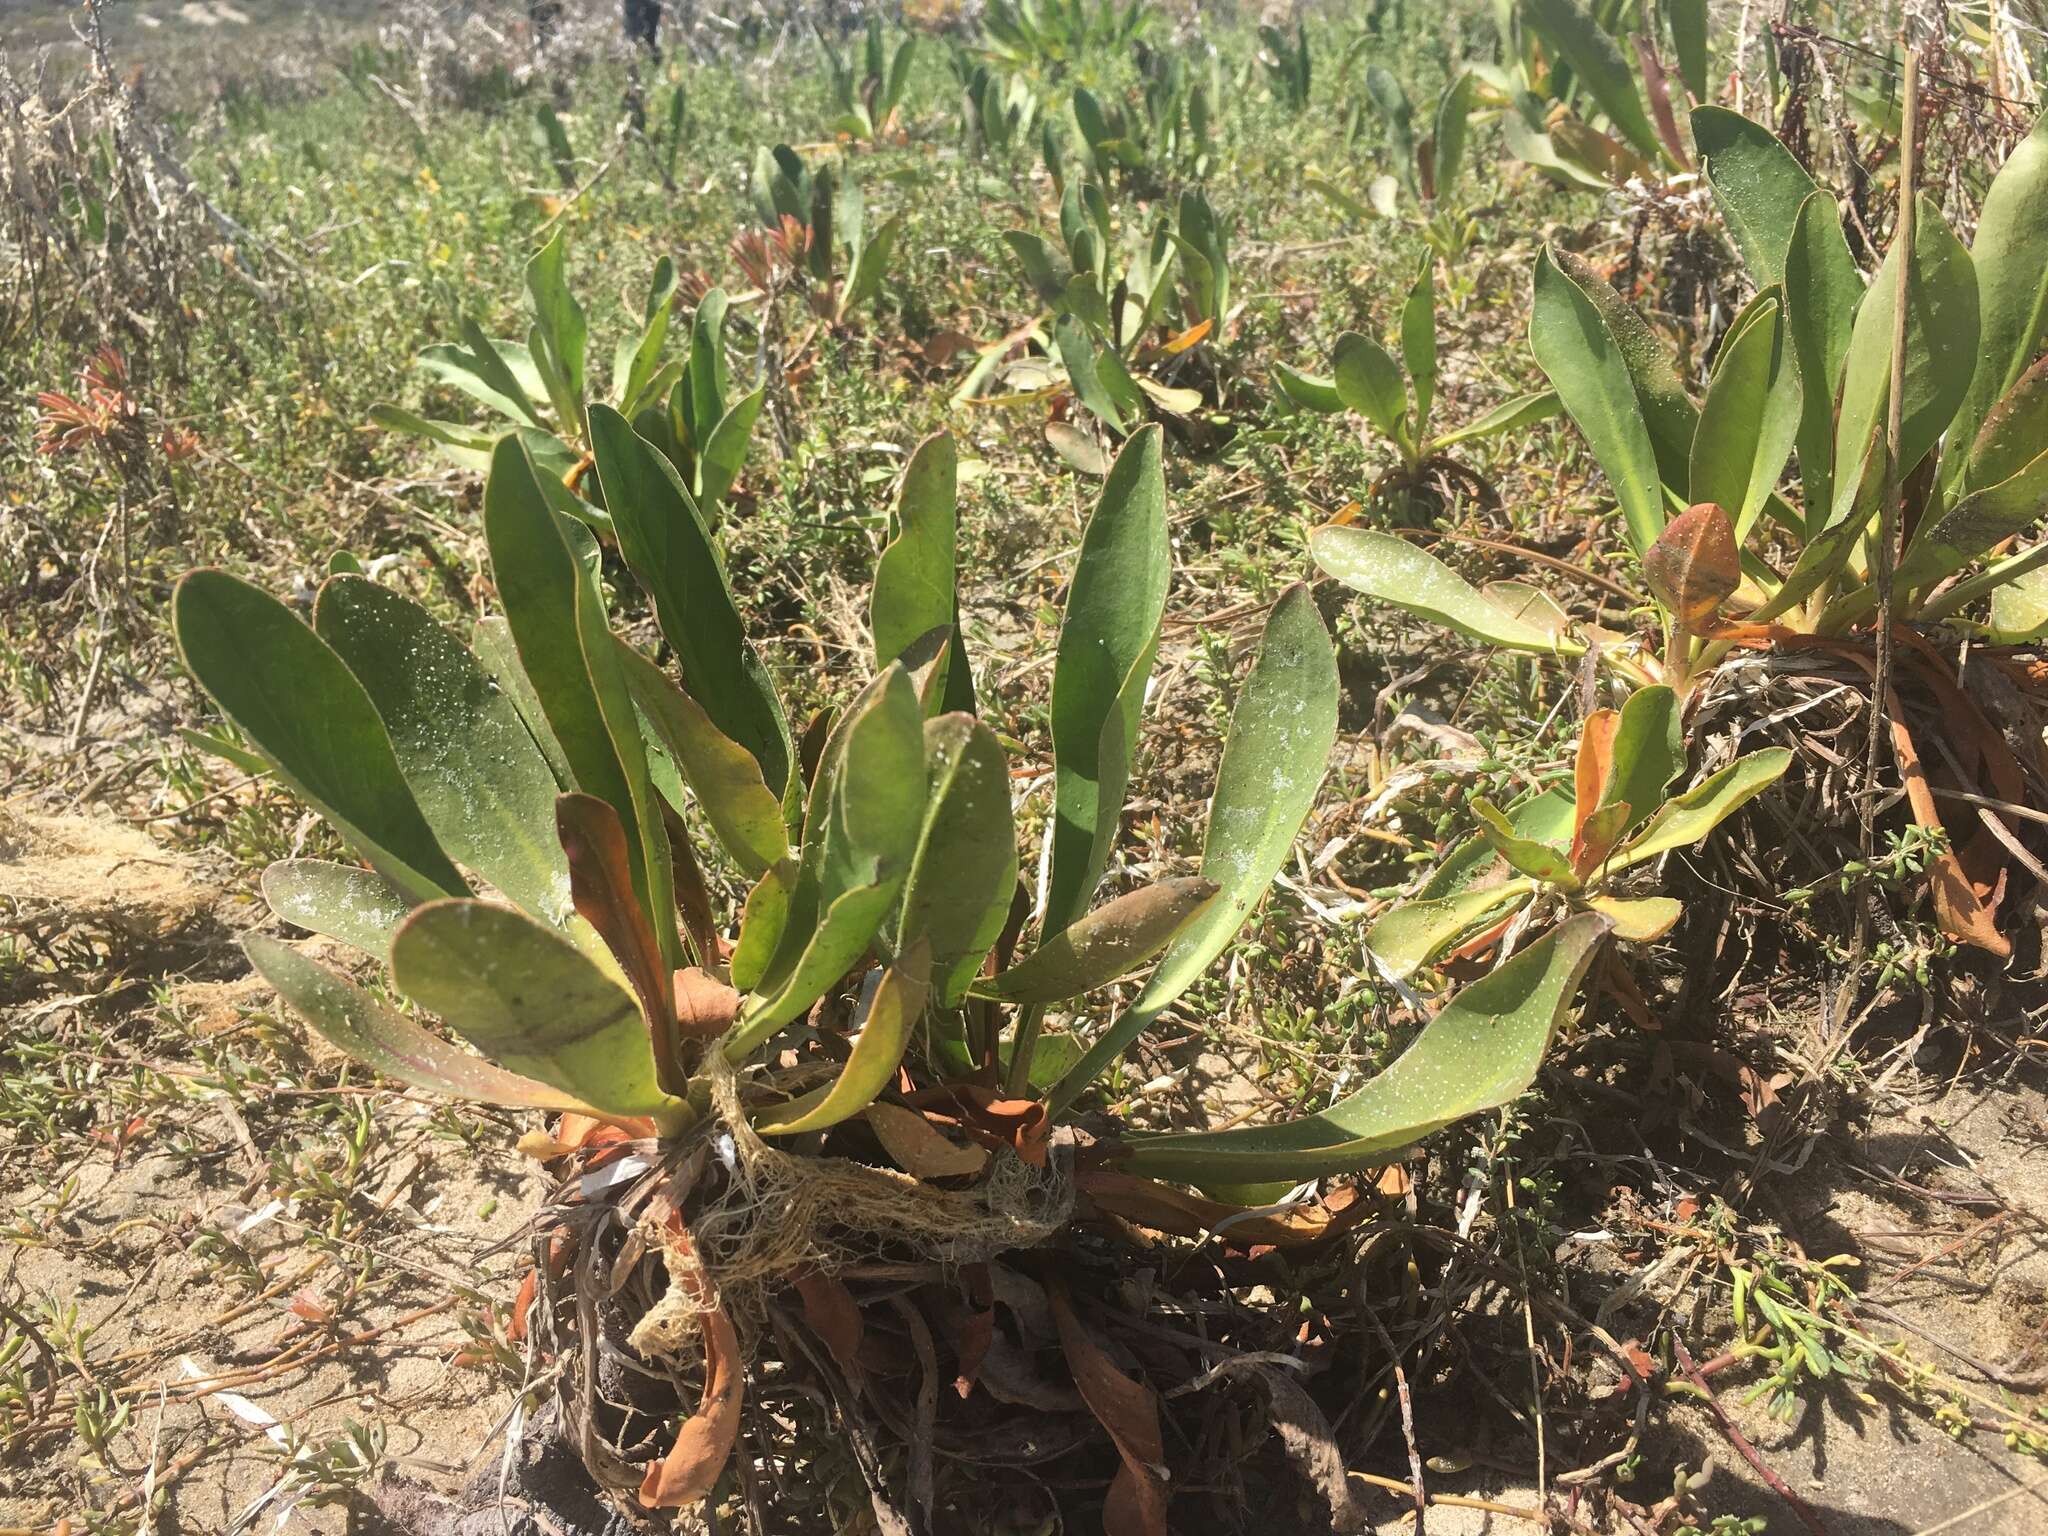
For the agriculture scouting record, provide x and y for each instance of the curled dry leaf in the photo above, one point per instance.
(601, 886)
(1129, 1410)
(834, 1316)
(1694, 567)
(1306, 1436)
(1165, 1208)
(704, 1443)
(705, 1006)
(918, 1146)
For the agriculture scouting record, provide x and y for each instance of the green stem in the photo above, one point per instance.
(1030, 1023)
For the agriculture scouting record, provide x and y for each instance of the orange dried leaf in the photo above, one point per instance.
(1694, 567)
(1129, 1410)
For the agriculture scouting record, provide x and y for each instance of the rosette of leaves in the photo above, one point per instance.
(1120, 333)
(1397, 396)
(543, 388)
(868, 103)
(1566, 849)
(844, 259)
(531, 810)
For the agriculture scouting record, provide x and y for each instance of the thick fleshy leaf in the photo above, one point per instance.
(1522, 411)
(1688, 22)
(1941, 348)
(726, 778)
(298, 704)
(1415, 933)
(1100, 946)
(763, 920)
(490, 641)
(2010, 257)
(2019, 609)
(1418, 344)
(1648, 752)
(473, 766)
(386, 1041)
(1668, 412)
(601, 880)
(1685, 820)
(1757, 184)
(915, 589)
(1585, 364)
(1979, 522)
(1370, 382)
(526, 997)
(1078, 354)
(1525, 855)
(1547, 817)
(1308, 391)
(343, 901)
(1822, 292)
(1638, 919)
(559, 318)
(1749, 420)
(964, 874)
(1694, 566)
(1387, 94)
(663, 538)
(1479, 1052)
(884, 1024)
(488, 372)
(1597, 63)
(2013, 434)
(637, 359)
(545, 568)
(724, 451)
(1115, 607)
(1453, 121)
(1392, 570)
(1281, 735)
(864, 281)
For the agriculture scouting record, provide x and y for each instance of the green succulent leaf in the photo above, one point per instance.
(964, 874)
(1750, 418)
(1822, 292)
(1522, 411)
(1308, 391)
(2012, 434)
(1281, 734)
(884, 1023)
(473, 767)
(1526, 855)
(1479, 1052)
(1115, 607)
(529, 999)
(489, 372)
(2010, 259)
(1638, 919)
(1648, 752)
(1370, 382)
(1596, 62)
(664, 539)
(298, 704)
(1687, 819)
(366, 1030)
(1980, 521)
(1758, 186)
(1688, 22)
(1100, 946)
(1418, 343)
(1392, 570)
(916, 584)
(357, 906)
(1415, 933)
(1579, 352)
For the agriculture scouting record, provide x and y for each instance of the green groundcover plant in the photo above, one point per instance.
(537, 807)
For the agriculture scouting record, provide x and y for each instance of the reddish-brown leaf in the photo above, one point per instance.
(705, 1006)
(977, 1326)
(834, 1316)
(601, 885)
(1594, 766)
(1598, 836)
(704, 1443)
(1657, 86)
(1129, 1410)
(1694, 567)
(1164, 1208)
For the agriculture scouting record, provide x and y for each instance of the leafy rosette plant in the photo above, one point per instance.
(1568, 848)
(821, 218)
(542, 387)
(534, 812)
(1397, 401)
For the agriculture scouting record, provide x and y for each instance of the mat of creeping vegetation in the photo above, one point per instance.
(1760, 1248)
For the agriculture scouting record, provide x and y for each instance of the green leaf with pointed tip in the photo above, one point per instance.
(1480, 1051)
(531, 1001)
(1388, 95)
(1547, 817)
(2012, 434)
(1757, 184)
(915, 588)
(1414, 933)
(1685, 820)
(1453, 120)
(300, 706)
(1274, 758)
(342, 901)
(1688, 22)
(1035, 257)
(1579, 353)
(487, 371)
(473, 767)
(1667, 410)
(559, 319)
(1418, 344)
(1596, 62)
(1079, 355)
(744, 813)
(763, 921)
(466, 446)
(1115, 607)
(1522, 411)
(386, 1041)
(637, 359)
(1538, 860)
(865, 281)
(885, 1021)
(229, 752)
(1370, 382)
(1750, 418)
(1979, 522)
(663, 538)
(2010, 258)
(1824, 554)
(709, 382)
(1648, 752)
(545, 568)
(1941, 347)
(725, 450)
(1100, 946)
(1391, 570)
(1822, 292)
(964, 874)
(1308, 391)
(1638, 919)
